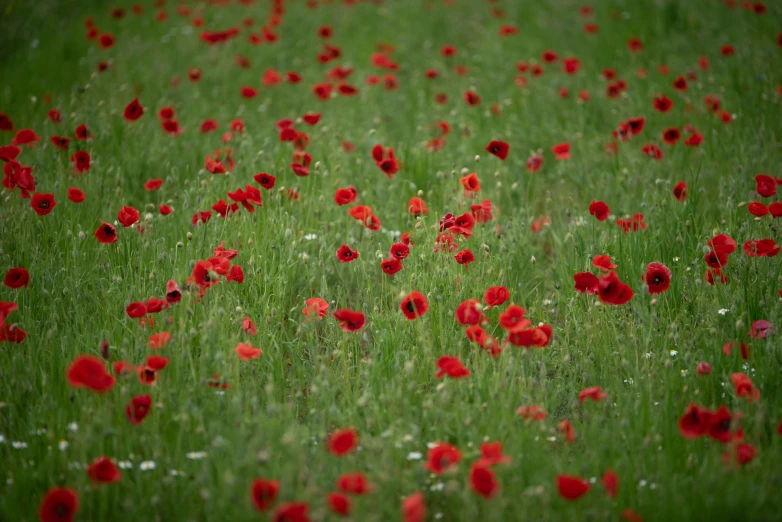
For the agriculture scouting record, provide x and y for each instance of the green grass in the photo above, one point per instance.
(312, 378)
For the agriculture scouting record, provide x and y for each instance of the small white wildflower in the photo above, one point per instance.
(385, 434)
(551, 439)
(438, 516)
(176, 473)
(431, 445)
(673, 353)
(722, 311)
(63, 445)
(649, 355)
(2, 439)
(684, 373)
(592, 480)
(437, 487)
(629, 381)
(40, 431)
(125, 464)
(147, 465)
(310, 237)
(407, 438)
(414, 455)
(73, 427)
(642, 483)
(196, 455)
(676, 259)
(17, 444)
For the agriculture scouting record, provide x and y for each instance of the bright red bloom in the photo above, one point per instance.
(653, 151)
(719, 425)
(703, 368)
(603, 262)
(128, 216)
(102, 470)
(346, 255)
(59, 505)
(572, 488)
(452, 367)
(610, 481)
(25, 137)
(468, 312)
(158, 340)
(391, 266)
(613, 291)
(465, 257)
(765, 185)
(586, 283)
(136, 310)
(744, 387)
(512, 319)
(534, 163)
(291, 512)
(657, 278)
(744, 454)
(350, 320)
(483, 480)
(344, 196)
(414, 305)
(354, 483)
(595, 393)
(249, 326)
(43, 204)
(600, 210)
(566, 430)
(16, 278)
(671, 135)
(472, 98)
(495, 296)
(414, 508)
(343, 441)
(89, 372)
(757, 209)
(498, 148)
(761, 248)
(760, 329)
(138, 408)
(680, 191)
(133, 111)
(571, 65)
(339, 503)
(695, 422)
(106, 233)
(81, 161)
(561, 151)
(153, 184)
(315, 306)
(662, 103)
(442, 457)
(245, 351)
(263, 493)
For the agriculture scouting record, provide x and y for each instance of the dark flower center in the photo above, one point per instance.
(410, 307)
(61, 510)
(43, 204)
(657, 280)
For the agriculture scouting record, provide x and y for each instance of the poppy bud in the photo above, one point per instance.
(189, 236)
(477, 158)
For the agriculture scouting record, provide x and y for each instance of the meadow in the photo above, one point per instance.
(385, 260)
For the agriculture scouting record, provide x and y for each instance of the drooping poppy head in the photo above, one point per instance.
(138, 408)
(350, 320)
(680, 191)
(600, 210)
(498, 148)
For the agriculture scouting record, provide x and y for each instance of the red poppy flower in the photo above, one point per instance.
(106, 233)
(25, 137)
(245, 351)
(472, 98)
(133, 111)
(138, 408)
(414, 305)
(657, 278)
(671, 135)
(158, 340)
(765, 185)
(128, 216)
(354, 483)
(599, 209)
(442, 457)
(265, 180)
(6, 124)
(81, 162)
(680, 191)
(248, 92)
(662, 103)
(498, 148)
(566, 430)
(339, 503)
(561, 151)
(538, 337)
(350, 320)
(59, 505)
(344, 196)
(343, 441)
(16, 278)
(346, 255)
(452, 367)
(680, 84)
(595, 393)
(757, 209)
(391, 266)
(468, 312)
(512, 319)
(83, 133)
(414, 508)
(760, 329)
(263, 493)
(291, 512)
(694, 140)
(613, 291)
(465, 257)
(610, 481)
(43, 204)
(572, 488)
(75, 195)
(483, 480)
(495, 296)
(586, 283)
(744, 387)
(102, 470)
(153, 184)
(89, 372)
(532, 412)
(316, 307)
(719, 425)
(603, 262)
(744, 454)
(61, 142)
(761, 248)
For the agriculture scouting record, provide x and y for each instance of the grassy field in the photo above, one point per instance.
(614, 379)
